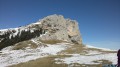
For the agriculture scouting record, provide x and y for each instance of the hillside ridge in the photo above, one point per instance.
(53, 27)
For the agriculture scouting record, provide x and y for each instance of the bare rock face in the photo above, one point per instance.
(53, 27)
(57, 27)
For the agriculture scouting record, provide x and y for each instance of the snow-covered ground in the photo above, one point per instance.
(10, 57)
(89, 57)
(106, 49)
(82, 59)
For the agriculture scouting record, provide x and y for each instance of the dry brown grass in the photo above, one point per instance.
(51, 41)
(50, 62)
(81, 49)
(103, 62)
(42, 62)
(24, 44)
(73, 49)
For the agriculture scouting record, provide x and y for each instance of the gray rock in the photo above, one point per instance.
(57, 27)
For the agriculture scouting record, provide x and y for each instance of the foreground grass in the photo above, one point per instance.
(82, 50)
(50, 62)
(51, 41)
(41, 62)
(24, 44)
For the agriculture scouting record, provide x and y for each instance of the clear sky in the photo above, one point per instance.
(99, 20)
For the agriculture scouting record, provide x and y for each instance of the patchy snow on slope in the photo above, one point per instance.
(3, 31)
(82, 59)
(93, 52)
(36, 41)
(106, 49)
(10, 57)
(37, 23)
(89, 57)
(19, 30)
(14, 34)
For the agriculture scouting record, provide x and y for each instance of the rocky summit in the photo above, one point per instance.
(51, 28)
(50, 42)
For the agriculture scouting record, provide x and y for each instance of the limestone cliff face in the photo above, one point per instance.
(53, 27)
(57, 27)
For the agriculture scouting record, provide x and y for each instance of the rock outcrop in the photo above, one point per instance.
(53, 27)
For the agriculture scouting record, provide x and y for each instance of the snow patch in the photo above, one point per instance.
(19, 29)
(10, 57)
(82, 59)
(106, 49)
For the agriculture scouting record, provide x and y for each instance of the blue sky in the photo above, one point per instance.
(99, 20)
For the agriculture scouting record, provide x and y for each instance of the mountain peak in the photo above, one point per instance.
(52, 36)
(54, 27)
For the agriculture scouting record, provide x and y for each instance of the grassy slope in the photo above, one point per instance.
(50, 62)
